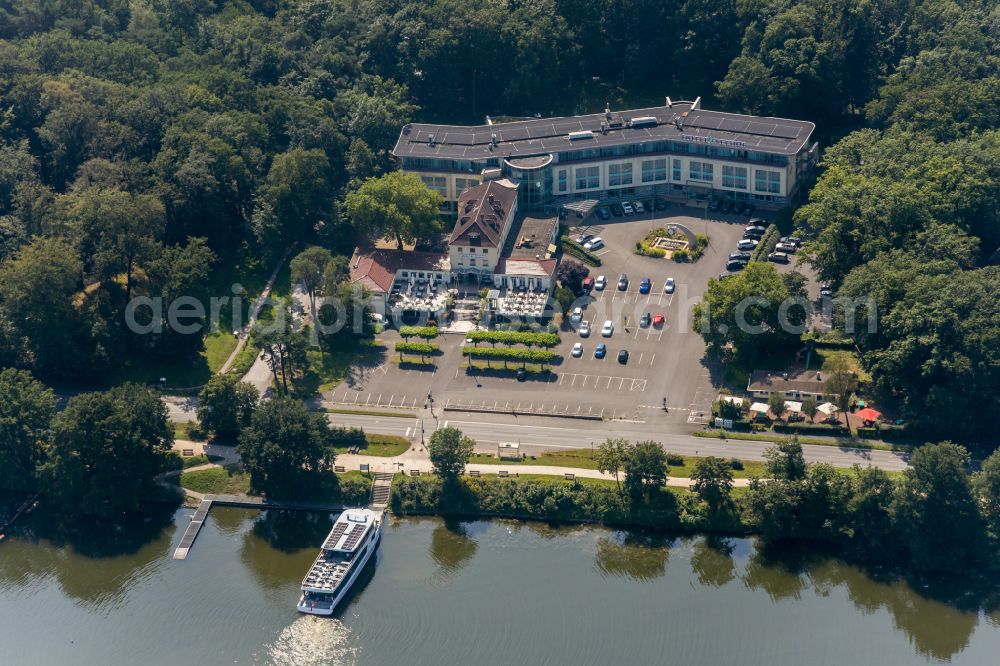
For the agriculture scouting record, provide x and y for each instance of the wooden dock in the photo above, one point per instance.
(201, 514)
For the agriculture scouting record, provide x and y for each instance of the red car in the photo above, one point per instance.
(658, 320)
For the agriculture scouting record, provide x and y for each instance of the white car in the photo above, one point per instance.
(577, 315)
(583, 239)
(601, 283)
(787, 248)
(747, 244)
(627, 208)
(668, 286)
(608, 329)
(594, 244)
(577, 350)
(584, 329)
(639, 208)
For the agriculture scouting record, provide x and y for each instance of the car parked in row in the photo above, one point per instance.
(787, 248)
(645, 286)
(603, 213)
(622, 282)
(623, 356)
(584, 329)
(627, 208)
(645, 320)
(669, 286)
(577, 350)
(778, 257)
(747, 244)
(739, 256)
(595, 243)
(658, 320)
(600, 283)
(791, 240)
(638, 207)
(734, 266)
(600, 351)
(577, 315)
(616, 210)
(608, 329)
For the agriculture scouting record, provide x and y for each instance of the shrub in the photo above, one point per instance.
(675, 459)
(735, 463)
(570, 246)
(681, 256)
(527, 338)
(766, 244)
(422, 332)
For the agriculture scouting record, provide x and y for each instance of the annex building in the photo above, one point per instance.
(677, 150)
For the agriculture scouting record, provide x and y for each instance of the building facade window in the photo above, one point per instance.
(734, 176)
(654, 170)
(462, 184)
(437, 183)
(677, 171)
(703, 171)
(620, 174)
(563, 178)
(588, 178)
(767, 181)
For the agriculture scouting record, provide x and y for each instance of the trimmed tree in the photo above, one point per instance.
(450, 451)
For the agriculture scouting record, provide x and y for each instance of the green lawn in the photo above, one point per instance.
(583, 459)
(369, 412)
(200, 459)
(816, 441)
(386, 446)
(328, 369)
(188, 430)
(244, 359)
(218, 481)
(218, 347)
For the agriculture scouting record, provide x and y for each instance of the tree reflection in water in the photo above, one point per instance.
(712, 561)
(451, 548)
(639, 556)
(281, 545)
(94, 563)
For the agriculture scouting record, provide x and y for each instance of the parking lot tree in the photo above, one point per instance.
(937, 514)
(422, 332)
(610, 456)
(785, 461)
(26, 410)
(744, 310)
(713, 483)
(565, 298)
(423, 349)
(226, 405)
(645, 467)
(450, 451)
(395, 205)
(105, 451)
(571, 274)
(285, 448)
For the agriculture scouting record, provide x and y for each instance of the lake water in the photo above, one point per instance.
(483, 592)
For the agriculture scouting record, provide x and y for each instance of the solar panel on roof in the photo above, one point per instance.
(338, 531)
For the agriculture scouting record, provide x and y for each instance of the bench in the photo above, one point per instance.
(474, 472)
(569, 476)
(503, 474)
(414, 472)
(187, 453)
(339, 469)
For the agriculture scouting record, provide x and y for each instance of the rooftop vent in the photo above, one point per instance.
(644, 121)
(430, 139)
(678, 123)
(582, 134)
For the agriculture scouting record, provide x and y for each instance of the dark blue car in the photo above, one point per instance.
(601, 350)
(645, 286)
(603, 213)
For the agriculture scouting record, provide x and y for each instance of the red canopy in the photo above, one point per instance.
(868, 414)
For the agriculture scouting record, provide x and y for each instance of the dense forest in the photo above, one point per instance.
(165, 147)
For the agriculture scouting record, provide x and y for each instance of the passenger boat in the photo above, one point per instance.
(351, 543)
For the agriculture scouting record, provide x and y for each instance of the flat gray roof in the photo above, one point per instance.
(552, 135)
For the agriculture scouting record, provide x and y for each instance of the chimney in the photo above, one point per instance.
(670, 104)
(784, 376)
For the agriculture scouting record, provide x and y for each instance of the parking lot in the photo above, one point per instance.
(665, 361)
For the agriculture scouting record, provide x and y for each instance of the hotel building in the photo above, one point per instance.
(678, 150)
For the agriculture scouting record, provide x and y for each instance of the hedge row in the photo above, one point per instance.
(767, 243)
(422, 348)
(423, 332)
(509, 354)
(528, 338)
(570, 246)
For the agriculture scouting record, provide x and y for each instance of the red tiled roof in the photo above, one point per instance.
(375, 269)
(484, 210)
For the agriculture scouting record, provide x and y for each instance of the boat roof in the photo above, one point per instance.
(348, 530)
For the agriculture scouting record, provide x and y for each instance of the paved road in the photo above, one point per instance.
(541, 434)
